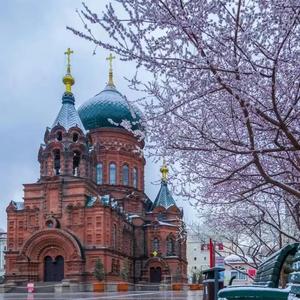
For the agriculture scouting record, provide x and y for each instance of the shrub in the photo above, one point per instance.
(194, 278)
(99, 270)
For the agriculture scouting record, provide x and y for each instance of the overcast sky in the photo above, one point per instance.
(32, 64)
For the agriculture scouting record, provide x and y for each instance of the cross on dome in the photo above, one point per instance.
(68, 53)
(110, 59)
(110, 76)
(68, 79)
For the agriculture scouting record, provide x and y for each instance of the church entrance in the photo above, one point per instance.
(155, 274)
(53, 269)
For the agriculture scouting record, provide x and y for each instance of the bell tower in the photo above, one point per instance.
(65, 151)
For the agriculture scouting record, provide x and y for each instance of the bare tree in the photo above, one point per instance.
(252, 229)
(223, 104)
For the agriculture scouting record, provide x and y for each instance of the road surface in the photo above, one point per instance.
(155, 295)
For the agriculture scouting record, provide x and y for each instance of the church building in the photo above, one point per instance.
(89, 201)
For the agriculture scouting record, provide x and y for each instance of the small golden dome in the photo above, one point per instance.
(68, 81)
(164, 172)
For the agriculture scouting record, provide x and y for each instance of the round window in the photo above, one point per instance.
(50, 224)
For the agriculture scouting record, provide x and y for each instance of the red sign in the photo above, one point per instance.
(251, 272)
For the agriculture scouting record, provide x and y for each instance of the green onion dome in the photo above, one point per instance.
(108, 109)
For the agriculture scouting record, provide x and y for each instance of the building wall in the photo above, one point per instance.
(198, 253)
(165, 231)
(65, 213)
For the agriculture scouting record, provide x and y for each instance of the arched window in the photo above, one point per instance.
(59, 135)
(155, 244)
(112, 173)
(75, 137)
(76, 162)
(56, 155)
(170, 246)
(135, 177)
(99, 173)
(125, 175)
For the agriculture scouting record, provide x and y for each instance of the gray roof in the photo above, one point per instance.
(68, 116)
(91, 200)
(18, 205)
(164, 197)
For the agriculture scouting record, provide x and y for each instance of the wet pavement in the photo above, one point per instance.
(159, 295)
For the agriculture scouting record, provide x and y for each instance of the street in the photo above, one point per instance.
(155, 295)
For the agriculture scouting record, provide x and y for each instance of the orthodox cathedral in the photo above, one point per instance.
(89, 201)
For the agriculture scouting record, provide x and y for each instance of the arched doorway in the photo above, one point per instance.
(53, 269)
(155, 274)
(51, 242)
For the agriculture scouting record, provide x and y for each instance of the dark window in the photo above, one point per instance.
(56, 155)
(75, 137)
(170, 246)
(59, 135)
(195, 258)
(155, 244)
(125, 175)
(76, 162)
(112, 173)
